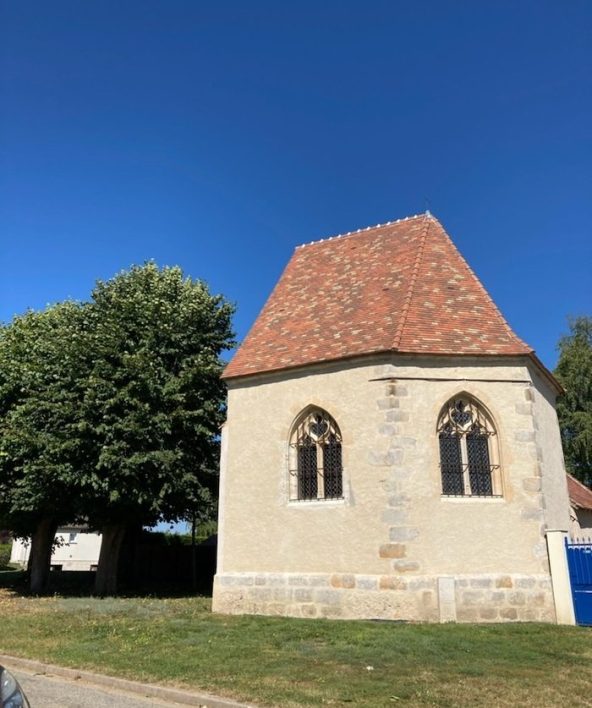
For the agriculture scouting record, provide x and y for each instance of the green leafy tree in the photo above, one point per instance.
(42, 369)
(110, 412)
(153, 405)
(574, 408)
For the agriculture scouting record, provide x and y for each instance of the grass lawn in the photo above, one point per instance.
(289, 662)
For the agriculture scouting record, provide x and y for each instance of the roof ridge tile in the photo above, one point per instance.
(412, 281)
(425, 214)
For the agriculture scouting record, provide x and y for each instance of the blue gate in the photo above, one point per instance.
(579, 561)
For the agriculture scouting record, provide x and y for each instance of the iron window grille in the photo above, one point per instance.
(468, 451)
(316, 468)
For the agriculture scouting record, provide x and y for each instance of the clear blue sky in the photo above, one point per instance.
(219, 135)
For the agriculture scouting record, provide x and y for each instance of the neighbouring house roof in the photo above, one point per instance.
(396, 287)
(580, 496)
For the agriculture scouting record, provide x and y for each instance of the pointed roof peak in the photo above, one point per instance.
(401, 286)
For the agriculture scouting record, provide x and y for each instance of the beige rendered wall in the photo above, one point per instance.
(393, 521)
(549, 455)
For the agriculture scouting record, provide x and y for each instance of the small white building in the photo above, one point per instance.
(76, 549)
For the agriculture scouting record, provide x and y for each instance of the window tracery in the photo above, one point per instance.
(468, 450)
(316, 468)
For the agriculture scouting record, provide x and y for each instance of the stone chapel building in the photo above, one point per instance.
(391, 449)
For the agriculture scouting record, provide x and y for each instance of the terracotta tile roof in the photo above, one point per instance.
(580, 496)
(400, 287)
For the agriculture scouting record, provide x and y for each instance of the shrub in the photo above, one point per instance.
(4, 555)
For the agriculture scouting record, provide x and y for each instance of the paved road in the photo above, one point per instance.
(44, 691)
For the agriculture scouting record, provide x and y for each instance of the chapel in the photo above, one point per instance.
(391, 449)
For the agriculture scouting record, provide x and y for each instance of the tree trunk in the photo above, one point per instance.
(106, 580)
(40, 556)
(193, 558)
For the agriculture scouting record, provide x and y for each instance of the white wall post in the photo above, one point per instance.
(560, 576)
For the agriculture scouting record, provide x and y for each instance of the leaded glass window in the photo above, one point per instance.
(468, 450)
(316, 468)
(479, 462)
(451, 462)
(307, 469)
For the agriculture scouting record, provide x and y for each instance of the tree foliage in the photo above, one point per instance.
(110, 410)
(574, 408)
(39, 403)
(42, 374)
(154, 400)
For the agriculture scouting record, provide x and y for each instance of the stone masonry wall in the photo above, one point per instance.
(394, 547)
(483, 598)
(399, 478)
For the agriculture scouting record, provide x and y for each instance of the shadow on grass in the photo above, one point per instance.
(71, 583)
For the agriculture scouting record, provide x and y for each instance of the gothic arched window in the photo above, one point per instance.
(316, 470)
(468, 450)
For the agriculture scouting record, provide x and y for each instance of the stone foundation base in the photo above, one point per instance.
(462, 598)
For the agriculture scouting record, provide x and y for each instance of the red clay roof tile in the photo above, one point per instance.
(400, 287)
(580, 496)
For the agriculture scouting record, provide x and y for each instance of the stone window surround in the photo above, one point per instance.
(292, 465)
(494, 454)
(499, 496)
